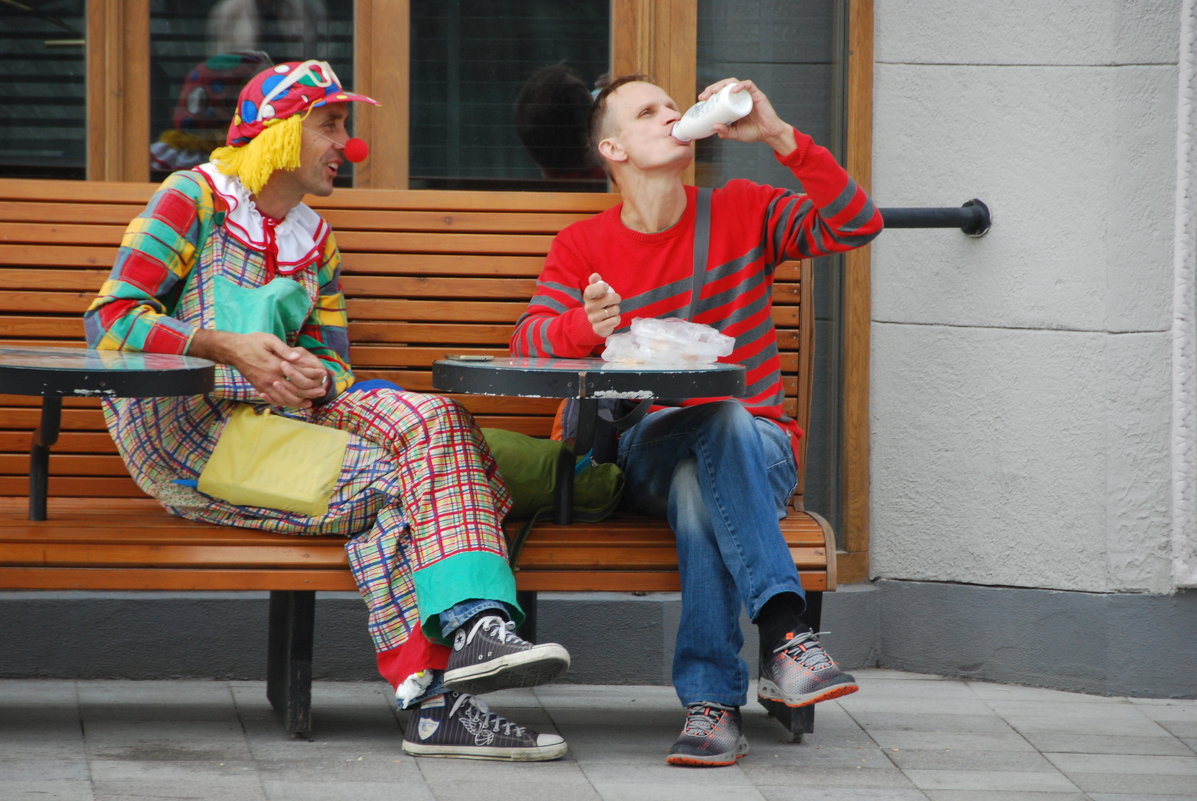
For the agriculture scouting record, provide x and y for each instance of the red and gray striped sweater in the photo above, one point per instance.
(753, 229)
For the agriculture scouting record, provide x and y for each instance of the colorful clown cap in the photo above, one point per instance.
(283, 91)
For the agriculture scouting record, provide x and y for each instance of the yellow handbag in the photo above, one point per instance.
(264, 459)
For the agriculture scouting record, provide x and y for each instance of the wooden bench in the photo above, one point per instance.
(425, 273)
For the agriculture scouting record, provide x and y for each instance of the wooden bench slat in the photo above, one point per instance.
(358, 286)
(61, 233)
(404, 242)
(362, 331)
(457, 201)
(68, 442)
(55, 255)
(436, 264)
(74, 280)
(125, 543)
(67, 487)
(176, 579)
(173, 578)
(118, 214)
(480, 221)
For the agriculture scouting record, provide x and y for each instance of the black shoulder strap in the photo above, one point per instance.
(702, 242)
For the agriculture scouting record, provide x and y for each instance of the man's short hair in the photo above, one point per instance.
(598, 111)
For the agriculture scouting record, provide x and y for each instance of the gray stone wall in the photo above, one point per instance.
(1021, 383)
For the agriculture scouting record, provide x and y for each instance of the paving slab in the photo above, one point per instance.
(1025, 782)
(902, 740)
(1140, 797)
(1126, 763)
(784, 793)
(1002, 795)
(47, 789)
(904, 737)
(962, 759)
(1068, 743)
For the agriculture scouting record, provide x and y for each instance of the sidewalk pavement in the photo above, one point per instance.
(903, 737)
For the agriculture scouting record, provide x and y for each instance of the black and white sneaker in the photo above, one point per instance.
(713, 735)
(488, 655)
(456, 725)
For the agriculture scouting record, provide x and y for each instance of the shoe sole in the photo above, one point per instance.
(541, 753)
(538, 665)
(713, 761)
(770, 691)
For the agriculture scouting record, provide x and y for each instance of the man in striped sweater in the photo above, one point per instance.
(720, 470)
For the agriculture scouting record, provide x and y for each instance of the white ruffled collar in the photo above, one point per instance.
(299, 237)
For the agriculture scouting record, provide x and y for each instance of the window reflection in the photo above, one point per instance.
(203, 52)
(498, 91)
(551, 113)
(797, 61)
(43, 123)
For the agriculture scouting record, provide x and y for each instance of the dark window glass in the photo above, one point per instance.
(43, 125)
(202, 53)
(499, 92)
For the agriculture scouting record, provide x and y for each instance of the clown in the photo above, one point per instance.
(229, 264)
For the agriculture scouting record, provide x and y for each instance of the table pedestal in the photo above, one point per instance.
(39, 455)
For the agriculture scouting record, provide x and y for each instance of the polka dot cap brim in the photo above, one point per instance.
(285, 90)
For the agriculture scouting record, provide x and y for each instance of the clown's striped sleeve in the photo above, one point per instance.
(157, 253)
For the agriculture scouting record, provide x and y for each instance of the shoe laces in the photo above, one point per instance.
(806, 650)
(476, 716)
(502, 630)
(702, 718)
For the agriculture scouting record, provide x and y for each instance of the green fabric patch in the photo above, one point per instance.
(462, 577)
(280, 307)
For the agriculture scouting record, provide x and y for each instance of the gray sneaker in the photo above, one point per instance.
(456, 725)
(712, 736)
(800, 673)
(488, 655)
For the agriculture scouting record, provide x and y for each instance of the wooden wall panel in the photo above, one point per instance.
(118, 90)
(858, 310)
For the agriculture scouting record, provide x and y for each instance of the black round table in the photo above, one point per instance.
(55, 373)
(588, 380)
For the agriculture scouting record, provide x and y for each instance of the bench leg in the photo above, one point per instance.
(289, 660)
(527, 601)
(797, 720)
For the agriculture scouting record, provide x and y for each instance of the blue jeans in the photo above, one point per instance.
(722, 478)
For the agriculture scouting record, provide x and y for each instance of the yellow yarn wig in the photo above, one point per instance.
(275, 148)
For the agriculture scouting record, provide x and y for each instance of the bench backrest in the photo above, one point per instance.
(425, 273)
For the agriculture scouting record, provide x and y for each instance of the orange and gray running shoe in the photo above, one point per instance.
(712, 736)
(800, 673)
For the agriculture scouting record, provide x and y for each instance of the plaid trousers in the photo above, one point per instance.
(418, 487)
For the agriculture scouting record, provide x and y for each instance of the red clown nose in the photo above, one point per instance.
(356, 150)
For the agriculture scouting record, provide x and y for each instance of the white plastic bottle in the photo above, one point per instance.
(699, 120)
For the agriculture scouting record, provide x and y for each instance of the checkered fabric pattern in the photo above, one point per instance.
(418, 486)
